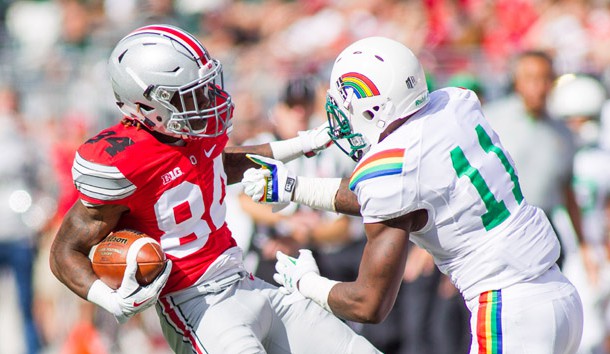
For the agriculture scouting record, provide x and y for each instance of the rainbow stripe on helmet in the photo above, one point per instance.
(360, 84)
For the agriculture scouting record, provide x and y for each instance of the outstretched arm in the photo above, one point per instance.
(308, 143)
(371, 296)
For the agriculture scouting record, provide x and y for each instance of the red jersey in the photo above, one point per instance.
(175, 194)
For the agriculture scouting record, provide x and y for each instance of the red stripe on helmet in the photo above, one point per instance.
(190, 42)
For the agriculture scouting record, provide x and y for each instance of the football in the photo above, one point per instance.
(109, 257)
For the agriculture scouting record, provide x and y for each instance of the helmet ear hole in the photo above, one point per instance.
(370, 114)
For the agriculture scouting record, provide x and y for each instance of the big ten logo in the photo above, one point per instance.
(171, 175)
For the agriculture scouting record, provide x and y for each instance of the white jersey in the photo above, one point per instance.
(592, 188)
(447, 159)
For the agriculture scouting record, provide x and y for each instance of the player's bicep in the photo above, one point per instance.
(84, 226)
(384, 256)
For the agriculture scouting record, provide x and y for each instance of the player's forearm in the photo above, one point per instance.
(81, 229)
(70, 266)
(330, 194)
(346, 300)
(349, 302)
(236, 163)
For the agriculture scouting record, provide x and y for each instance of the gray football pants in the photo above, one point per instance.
(252, 316)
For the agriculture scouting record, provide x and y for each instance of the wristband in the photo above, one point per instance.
(101, 295)
(286, 150)
(316, 288)
(317, 193)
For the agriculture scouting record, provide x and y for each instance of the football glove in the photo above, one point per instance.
(271, 184)
(307, 142)
(315, 140)
(290, 270)
(131, 297)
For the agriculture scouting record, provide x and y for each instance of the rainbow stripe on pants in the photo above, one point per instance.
(489, 322)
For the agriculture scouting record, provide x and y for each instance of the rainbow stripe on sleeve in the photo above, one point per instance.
(489, 322)
(384, 163)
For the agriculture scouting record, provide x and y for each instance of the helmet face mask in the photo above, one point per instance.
(199, 109)
(165, 79)
(374, 82)
(341, 131)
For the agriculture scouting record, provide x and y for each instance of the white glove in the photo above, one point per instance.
(130, 298)
(315, 140)
(290, 270)
(272, 184)
(307, 142)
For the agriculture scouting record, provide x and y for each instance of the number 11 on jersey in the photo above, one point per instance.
(496, 209)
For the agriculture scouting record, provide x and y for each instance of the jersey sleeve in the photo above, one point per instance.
(385, 189)
(98, 183)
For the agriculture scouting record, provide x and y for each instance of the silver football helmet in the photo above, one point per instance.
(374, 82)
(164, 78)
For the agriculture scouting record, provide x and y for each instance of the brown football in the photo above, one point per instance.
(109, 258)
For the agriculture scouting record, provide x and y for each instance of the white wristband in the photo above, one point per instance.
(101, 295)
(286, 150)
(318, 193)
(316, 288)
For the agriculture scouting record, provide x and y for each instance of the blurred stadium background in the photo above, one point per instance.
(53, 80)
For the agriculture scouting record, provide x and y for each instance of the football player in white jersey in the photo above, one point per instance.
(430, 170)
(163, 170)
(578, 99)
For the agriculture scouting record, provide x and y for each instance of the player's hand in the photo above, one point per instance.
(135, 298)
(290, 270)
(315, 140)
(131, 297)
(272, 184)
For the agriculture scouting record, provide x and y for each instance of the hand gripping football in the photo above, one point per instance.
(110, 255)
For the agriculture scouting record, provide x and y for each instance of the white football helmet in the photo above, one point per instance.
(374, 82)
(164, 78)
(577, 96)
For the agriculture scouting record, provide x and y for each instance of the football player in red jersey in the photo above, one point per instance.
(163, 171)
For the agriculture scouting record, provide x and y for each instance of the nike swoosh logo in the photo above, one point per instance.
(208, 153)
(138, 304)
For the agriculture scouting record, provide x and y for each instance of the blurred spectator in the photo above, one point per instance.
(18, 193)
(534, 140)
(574, 31)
